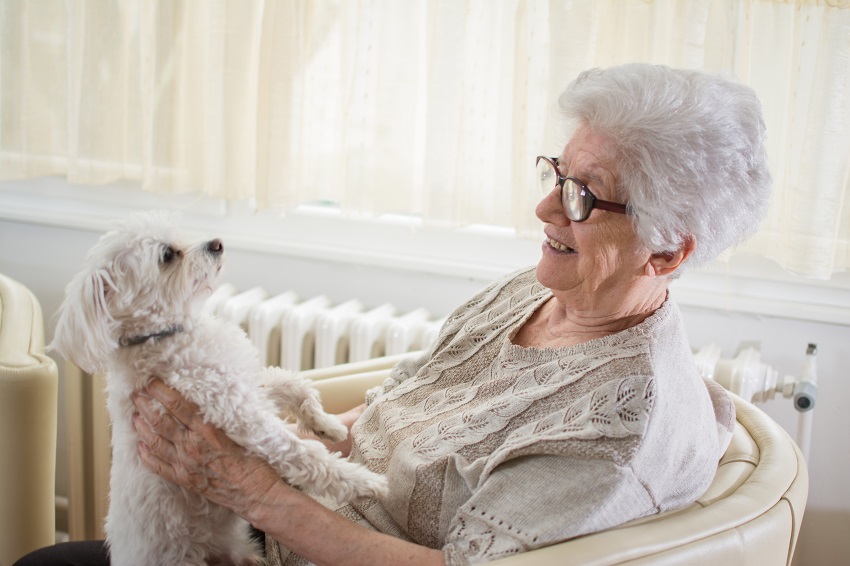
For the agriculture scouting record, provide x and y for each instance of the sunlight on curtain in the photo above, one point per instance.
(426, 107)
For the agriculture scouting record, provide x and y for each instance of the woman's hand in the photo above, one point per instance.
(179, 446)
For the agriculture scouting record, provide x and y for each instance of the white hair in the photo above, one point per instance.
(690, 150)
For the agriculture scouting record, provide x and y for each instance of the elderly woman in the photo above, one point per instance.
(559, 401)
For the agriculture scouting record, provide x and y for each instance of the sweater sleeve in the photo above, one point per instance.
(536, 501)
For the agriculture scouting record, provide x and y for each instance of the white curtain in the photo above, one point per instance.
(429, 107)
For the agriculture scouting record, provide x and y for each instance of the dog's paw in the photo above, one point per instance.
(325, 426)
(375, 487)
(360, 483)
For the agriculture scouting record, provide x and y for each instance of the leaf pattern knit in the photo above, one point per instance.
(492, 449)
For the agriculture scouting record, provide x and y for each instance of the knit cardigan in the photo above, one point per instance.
(492, 449)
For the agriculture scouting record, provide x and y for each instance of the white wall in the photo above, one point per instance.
(44, 258)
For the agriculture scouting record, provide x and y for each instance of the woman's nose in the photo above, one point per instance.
(551, 209)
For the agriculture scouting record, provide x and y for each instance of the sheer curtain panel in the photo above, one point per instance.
(434, 108)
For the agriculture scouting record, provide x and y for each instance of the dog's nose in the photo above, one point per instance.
(215, 247)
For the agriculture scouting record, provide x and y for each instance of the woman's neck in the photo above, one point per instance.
(560, 323)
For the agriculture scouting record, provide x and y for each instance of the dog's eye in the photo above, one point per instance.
(167, 254)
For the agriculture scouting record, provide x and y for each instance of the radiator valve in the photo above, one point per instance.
(750, 379)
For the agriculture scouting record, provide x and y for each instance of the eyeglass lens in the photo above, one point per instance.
(573, 196)
(547, 177)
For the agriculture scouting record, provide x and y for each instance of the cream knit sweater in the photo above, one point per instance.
(492, 449)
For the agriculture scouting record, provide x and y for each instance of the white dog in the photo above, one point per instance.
(136, 312)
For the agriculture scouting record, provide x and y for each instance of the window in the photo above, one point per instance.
(423, 108)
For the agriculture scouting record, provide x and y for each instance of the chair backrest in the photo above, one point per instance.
(28, 406)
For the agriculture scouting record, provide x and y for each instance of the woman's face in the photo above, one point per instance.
(592, 263)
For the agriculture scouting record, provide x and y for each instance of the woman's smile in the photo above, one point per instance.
(557, 246)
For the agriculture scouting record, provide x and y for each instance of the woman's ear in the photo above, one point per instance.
(665, 263)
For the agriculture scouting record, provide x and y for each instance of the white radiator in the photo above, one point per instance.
(314, 332)
(289, 331)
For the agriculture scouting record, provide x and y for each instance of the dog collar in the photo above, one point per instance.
(136, 340)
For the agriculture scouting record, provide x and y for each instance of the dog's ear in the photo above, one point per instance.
(85, 331)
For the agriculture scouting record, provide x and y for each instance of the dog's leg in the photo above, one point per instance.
(310, 466)
(296, 396)
(252, 421)
(304, 463)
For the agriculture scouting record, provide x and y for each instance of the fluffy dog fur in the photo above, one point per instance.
(136, 312)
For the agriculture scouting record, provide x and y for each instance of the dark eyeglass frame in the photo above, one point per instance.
(588, 198)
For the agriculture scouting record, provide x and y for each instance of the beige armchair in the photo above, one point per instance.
(750, 515)
(28, 405)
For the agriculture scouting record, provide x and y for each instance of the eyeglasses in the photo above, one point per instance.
(576, 198)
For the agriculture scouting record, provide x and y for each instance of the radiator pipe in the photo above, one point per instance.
(805, 396)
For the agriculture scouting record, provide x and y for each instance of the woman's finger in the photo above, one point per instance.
(181, 462)
(176, 473)
(183, 410)
(156, 464)
(161, 422)
(155, 443)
